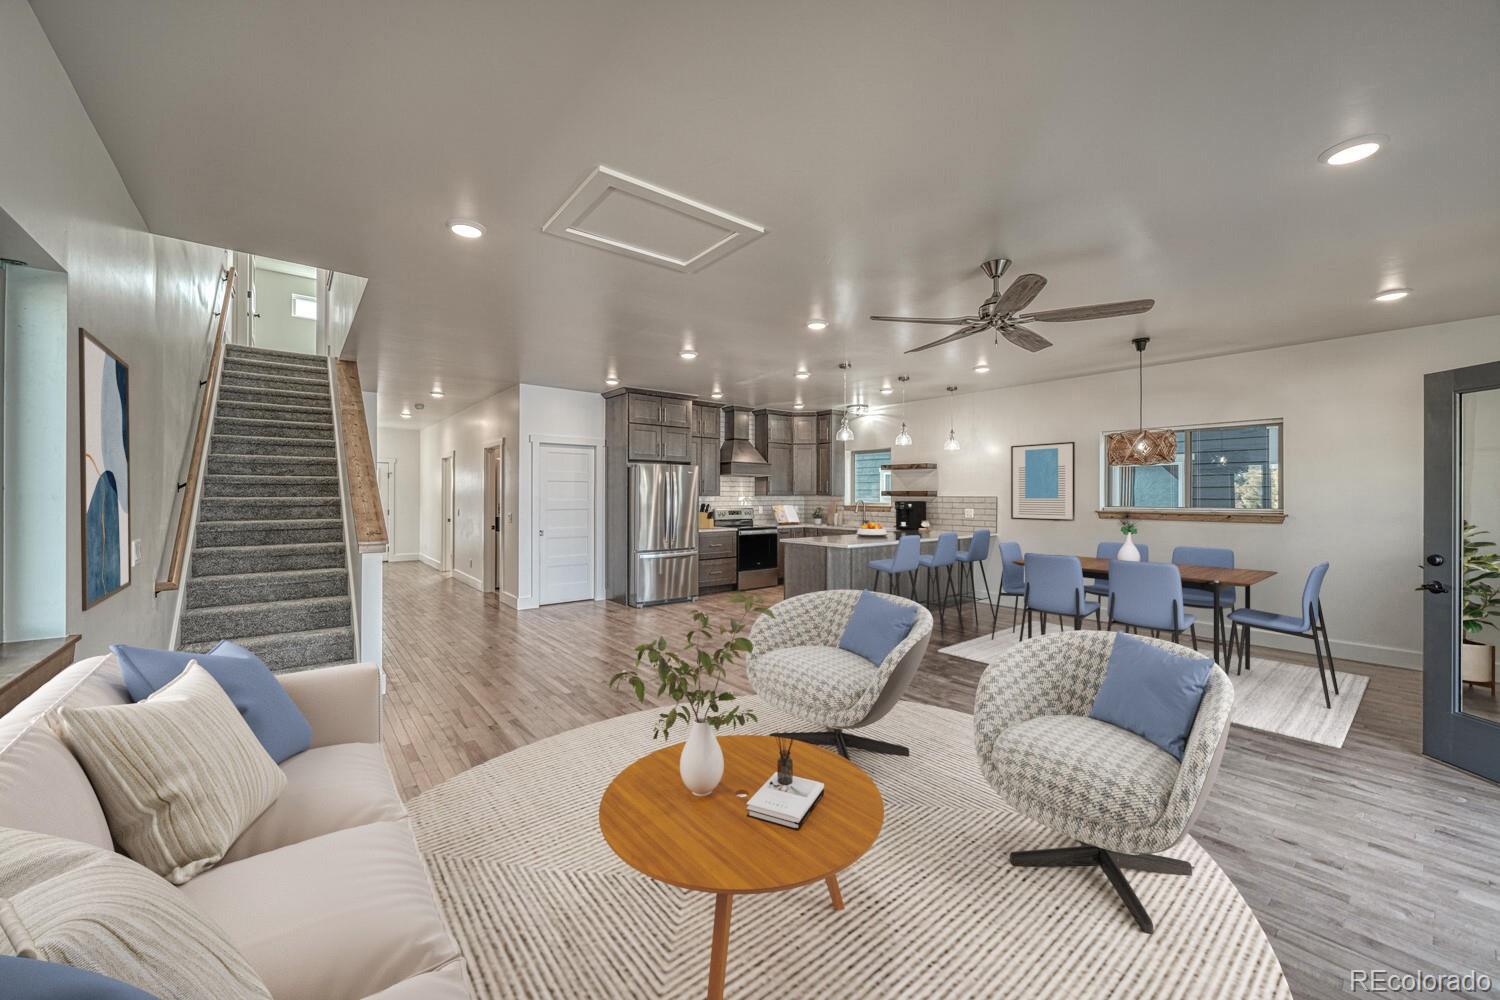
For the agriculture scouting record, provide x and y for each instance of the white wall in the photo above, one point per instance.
(403, 448)
(147, 298)
(1353, 464)
(563, 416)
(466, 434)
(343, 296)
(274, 327)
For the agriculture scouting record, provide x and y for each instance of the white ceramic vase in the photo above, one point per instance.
(1128, 552)
(702, 763)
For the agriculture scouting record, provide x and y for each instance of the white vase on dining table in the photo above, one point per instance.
(1128, 552)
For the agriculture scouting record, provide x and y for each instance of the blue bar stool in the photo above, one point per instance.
(1108, 550)
(977, 552)
(1310, 626)
(1012, 584)
(1054, 586)
(943, 557)
(904, 561)
(1149, 595)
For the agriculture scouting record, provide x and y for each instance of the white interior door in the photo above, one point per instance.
(565, 523)
(385, 480)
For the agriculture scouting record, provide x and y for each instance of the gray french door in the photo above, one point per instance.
(1461, 569)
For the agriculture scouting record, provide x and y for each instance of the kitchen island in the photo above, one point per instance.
(842, 562)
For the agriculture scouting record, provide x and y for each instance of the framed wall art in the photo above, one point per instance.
(1041, 482)
(104, 442)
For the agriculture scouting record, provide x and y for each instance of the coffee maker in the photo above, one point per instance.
(909, 516)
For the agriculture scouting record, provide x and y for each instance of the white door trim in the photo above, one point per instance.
(533, 600)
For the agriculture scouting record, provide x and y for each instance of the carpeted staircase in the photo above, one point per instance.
(268, 568)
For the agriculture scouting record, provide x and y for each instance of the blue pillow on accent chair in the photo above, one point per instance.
(1152, 692)
(34, 979)
(269, 711)
(877, 626)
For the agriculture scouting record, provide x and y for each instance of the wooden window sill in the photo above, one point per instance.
(1202, 514)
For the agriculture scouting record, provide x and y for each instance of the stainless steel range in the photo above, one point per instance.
(756, 559)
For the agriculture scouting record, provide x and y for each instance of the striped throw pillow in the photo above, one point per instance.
(75, 904)
(180, 775)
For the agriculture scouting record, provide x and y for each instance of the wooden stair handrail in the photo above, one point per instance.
(359, 462)
(189, 489)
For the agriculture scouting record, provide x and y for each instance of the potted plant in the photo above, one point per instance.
(692, 678)
(1481, 603)
(817, 515)
(1128, 552)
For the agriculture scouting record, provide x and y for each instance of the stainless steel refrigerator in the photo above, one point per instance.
(663, 533)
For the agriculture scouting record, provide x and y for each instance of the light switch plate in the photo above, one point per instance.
(969, 512)
(135, 551)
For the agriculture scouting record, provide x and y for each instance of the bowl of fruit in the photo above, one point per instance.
(871, 529)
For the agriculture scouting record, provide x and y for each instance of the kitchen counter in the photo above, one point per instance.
(841, 562)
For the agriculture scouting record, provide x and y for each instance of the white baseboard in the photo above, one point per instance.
(508, 599)
(429, 562)
(405, 557)
(472, 581)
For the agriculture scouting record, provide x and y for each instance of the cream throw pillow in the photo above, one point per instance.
(75, 904)
(180, 775)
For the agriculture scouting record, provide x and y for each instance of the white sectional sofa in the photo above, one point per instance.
(325, 894)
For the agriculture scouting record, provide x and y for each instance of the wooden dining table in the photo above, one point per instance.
(1215, 578)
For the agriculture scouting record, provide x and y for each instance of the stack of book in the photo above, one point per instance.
(787, 805)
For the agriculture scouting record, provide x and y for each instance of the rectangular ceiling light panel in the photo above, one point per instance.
(626, 215)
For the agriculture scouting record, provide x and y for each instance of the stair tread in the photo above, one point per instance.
(272, 575)
(289, 522)
(268, 422)
(271, 408)
(219, 476)
(249, 350)
(278, 500)
(301, 636)
(330, 601)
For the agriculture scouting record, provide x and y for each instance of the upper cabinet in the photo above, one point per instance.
(805, 459)
(805, 429)
(644, 409)
(677, 413)
(651, 427)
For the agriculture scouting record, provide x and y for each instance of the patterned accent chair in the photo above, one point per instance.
(798, 667)
(1123, 798)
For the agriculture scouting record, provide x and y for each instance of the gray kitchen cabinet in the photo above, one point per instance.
(778, 429)
(644, 443)
(825, 427)
(825, 471)
(676, 444)
(677, 413)
(804, 469)
(706, 420)
(642, 409)
(805, 429)
(708, 466)
(780, 457)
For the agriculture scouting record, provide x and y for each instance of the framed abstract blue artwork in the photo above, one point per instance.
(1041, 477)
(104, 437)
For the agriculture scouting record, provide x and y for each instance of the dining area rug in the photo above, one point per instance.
(1272, 696)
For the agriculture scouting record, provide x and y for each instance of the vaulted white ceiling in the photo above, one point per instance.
(1151, 148)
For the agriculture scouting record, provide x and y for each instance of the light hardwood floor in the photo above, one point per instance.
(1370, 856)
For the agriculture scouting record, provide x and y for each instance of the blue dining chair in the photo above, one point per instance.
(1203, 597)
(1108, 550)
(1149, 595)
(1012, 584)
(1054, 586)
(943, 557)
(977, 552)
(904, 561)
(1310, 625)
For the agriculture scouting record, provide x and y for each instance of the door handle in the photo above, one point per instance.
(1434, 587)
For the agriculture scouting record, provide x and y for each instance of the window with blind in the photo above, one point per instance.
(1225, 467)
(867, 479)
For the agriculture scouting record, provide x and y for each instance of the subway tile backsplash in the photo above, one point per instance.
(944, 512)
(733, 488)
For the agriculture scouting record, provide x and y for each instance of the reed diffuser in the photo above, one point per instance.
(783, 761)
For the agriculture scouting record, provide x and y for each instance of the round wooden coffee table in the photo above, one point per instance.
(709, 844)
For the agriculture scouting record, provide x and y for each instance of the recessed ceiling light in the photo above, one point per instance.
(1393, 295)
(467, 228)
(419, 406)
(405, 414)
(611, 381)
(1353, 150)
(437, 393)
(886, 390)
(817, 325)
(981, 369)
(796, 406)
(716, 394)
(687, 354)
(803, 373)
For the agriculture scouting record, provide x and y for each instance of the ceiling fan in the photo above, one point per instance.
(1002, 312)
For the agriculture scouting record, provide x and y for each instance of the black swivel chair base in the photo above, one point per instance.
(1111, 863)
(844, 742)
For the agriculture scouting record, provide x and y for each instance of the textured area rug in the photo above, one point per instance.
(1272, 696)
(543, 908)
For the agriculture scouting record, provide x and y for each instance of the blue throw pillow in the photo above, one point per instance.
(877, 626)
(1152, 692)
(269, 711)
(33, 979)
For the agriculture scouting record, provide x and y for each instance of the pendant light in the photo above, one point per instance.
(903, 440)
(845, 432)
(952, 443)
(1141, 446)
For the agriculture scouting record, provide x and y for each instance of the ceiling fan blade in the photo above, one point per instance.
(951, 321)
(967, 331)
(1022, 337)
(1102, 311)
(1020, 293)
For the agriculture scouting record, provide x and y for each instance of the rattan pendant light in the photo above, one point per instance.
(1141, 446)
